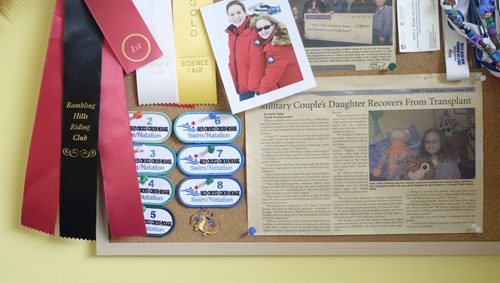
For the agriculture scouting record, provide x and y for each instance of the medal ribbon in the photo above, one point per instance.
(41, 186)
(125, 31)
(497, 15)
(81, 96)
(121, 187)
(483, 15)
(157, 81)
(455, 13)
(455, 48)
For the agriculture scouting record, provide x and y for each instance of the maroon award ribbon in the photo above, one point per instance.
(121, 187)
(127, 34)
(62, 163)
(41, 186)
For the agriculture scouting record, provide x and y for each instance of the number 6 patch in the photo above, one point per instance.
(207, 127)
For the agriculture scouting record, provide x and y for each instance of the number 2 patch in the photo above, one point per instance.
(149, 127)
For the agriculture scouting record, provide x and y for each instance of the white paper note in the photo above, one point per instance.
(418, 25)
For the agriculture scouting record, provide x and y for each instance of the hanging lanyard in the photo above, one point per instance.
(478, 32)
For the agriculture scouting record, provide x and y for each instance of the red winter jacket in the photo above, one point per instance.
(281, 68)
(240, 64)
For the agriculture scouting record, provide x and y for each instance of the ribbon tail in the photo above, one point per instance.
(41, 187)
(121, 186)
(80, 122)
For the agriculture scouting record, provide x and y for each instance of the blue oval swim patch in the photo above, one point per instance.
(210, 192)
(210, 160)
(207, 127)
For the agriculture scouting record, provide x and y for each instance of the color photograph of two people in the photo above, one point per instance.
(258, 51)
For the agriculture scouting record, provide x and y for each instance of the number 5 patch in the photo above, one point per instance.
(159, 221)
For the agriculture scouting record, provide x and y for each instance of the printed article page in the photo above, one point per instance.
(347, 34)
(368, 155)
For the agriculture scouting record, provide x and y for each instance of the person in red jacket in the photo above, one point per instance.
(281, 67)
(240, 35)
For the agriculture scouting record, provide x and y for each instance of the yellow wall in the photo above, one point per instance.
(28, 256)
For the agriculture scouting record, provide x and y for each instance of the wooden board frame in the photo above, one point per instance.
(377, 246)
(450, 244)
(428, 245)
(106, 248)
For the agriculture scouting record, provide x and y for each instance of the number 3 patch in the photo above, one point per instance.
(153, 159)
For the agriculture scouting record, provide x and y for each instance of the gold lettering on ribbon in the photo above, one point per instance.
(136, 47)
(88, 153)
(83, 153)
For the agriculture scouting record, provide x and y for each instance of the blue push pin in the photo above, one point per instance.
(252, 231)
(212, 115)
(392, 66)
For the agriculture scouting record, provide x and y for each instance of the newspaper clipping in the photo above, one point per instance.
(403, 157)
(347, 34)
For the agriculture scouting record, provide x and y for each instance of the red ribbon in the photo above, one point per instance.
(42, 181)
(41, 186)
(125, 30)
(121, 186)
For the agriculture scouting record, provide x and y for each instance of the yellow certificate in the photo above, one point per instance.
(195, 62)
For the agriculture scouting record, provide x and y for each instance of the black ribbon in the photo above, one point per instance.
(81, 88)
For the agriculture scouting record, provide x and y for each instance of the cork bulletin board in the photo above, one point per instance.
(234, 240)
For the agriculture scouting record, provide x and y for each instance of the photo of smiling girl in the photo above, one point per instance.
(240, 36)
(258, 50)
(281, 66)
(434, 146)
